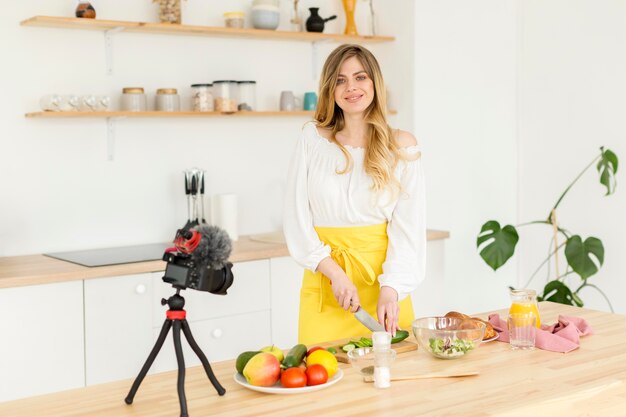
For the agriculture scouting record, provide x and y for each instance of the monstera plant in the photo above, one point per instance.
(584, 256)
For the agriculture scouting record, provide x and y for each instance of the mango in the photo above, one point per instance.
(262, 370)
(243, 359)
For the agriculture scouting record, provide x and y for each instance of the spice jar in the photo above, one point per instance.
(247, 95)
(167, 99)
(169, 11)
(234, 19)
(133, 99)
(225, 92)
(202, 97)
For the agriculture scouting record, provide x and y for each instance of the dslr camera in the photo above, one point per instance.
(199, 270)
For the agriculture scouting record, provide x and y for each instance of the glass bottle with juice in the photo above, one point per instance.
(524, 301)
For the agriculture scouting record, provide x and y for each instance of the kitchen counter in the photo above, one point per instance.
(18, 271)
(586, 382)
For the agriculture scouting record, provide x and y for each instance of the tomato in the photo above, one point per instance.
(293, 378)
(313, 349)
(316, 375)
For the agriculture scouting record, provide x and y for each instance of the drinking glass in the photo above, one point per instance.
(522, 330)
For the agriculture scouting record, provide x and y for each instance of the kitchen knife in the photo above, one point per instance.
(368, 321)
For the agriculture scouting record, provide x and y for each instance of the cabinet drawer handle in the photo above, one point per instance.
(140, 289)
(216, 333)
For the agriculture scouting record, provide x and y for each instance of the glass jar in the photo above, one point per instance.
(133, 99)
(234, 19)
(524, 301)
(202, 97)
(247, 96)
(169, 11)
(225, 92)
(167, 99)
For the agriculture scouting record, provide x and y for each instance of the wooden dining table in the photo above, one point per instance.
(589, 381)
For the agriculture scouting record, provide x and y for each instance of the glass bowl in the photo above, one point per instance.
(448, 337)
(363, 360)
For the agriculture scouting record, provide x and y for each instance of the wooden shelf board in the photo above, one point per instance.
(165, 114)
(190, 30)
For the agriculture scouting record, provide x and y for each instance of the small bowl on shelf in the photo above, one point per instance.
(448, 337)
(364, 360)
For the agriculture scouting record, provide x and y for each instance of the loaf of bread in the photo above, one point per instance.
(489, 331)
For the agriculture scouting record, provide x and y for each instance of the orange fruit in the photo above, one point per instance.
(324, 358)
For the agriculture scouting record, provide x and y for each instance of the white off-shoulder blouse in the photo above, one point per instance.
(317, 196)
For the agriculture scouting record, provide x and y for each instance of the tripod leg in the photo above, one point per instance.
(205, 362)
(151, 357)
(181, 370)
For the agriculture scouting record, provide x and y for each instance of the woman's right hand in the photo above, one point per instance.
(343, 289)
(346, 293)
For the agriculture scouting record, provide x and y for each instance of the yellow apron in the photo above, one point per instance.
(360, 251)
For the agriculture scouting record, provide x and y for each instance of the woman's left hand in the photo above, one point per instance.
(388, 309)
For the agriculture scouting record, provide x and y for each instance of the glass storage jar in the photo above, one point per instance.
(247, 96)
(133, 99)
(202, 97)
(234, 19)
(225, 92)
(169, 11)
(167, 99)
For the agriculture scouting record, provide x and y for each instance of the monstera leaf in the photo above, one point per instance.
(559, 293)
(500, 244)
(579, 255)
(607, 168)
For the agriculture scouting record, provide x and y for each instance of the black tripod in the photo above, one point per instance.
(176, 316)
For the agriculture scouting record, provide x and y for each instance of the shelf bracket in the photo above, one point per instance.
(111, 137)
(108, 47)
(315, 57)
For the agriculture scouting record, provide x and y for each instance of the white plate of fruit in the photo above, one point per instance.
(270, 371)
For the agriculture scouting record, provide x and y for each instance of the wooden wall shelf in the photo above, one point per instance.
(164, 114)
(189, 30)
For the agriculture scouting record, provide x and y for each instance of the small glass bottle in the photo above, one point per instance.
(167, 99)
(133, 99)
(383, 357)
(225, 92)
(202, 97)
(247, 96)
(524, 301)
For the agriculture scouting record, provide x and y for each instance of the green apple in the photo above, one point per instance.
(274, 351)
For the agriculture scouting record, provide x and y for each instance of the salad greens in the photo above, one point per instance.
(449, 347)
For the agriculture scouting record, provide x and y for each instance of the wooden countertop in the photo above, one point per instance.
(586, 382)
(18, 271)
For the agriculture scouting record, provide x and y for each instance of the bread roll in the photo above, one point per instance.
(489, 331)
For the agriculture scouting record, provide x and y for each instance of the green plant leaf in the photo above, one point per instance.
(500, 243)
(577, 300)
(579, 255)
(607, 168)
(557, 292)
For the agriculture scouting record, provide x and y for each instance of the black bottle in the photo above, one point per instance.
(315, 23)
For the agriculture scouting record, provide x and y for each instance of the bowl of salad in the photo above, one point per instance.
(448, 337)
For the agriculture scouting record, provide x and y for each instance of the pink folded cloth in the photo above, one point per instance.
(564, 336)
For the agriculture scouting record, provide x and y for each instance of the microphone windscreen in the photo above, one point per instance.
(214, 248)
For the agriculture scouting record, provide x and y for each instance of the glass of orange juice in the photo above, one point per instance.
(525, 301)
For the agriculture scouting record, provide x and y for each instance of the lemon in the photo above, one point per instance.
(324, 358)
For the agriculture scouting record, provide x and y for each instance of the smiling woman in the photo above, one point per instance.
(354, 209)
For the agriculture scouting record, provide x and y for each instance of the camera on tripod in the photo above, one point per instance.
(199, 263)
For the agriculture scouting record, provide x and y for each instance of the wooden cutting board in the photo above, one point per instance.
(401, 347)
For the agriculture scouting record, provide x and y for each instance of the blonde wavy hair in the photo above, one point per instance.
(382, 153)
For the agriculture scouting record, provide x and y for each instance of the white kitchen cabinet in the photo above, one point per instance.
(118, 325)
(220, 339)
(286, 280)
(41, 339)
(428, 297)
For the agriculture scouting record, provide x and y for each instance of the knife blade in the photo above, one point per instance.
(368, 321)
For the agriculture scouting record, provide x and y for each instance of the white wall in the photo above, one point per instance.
(465, 79)
(59, 192)
(572, 101)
